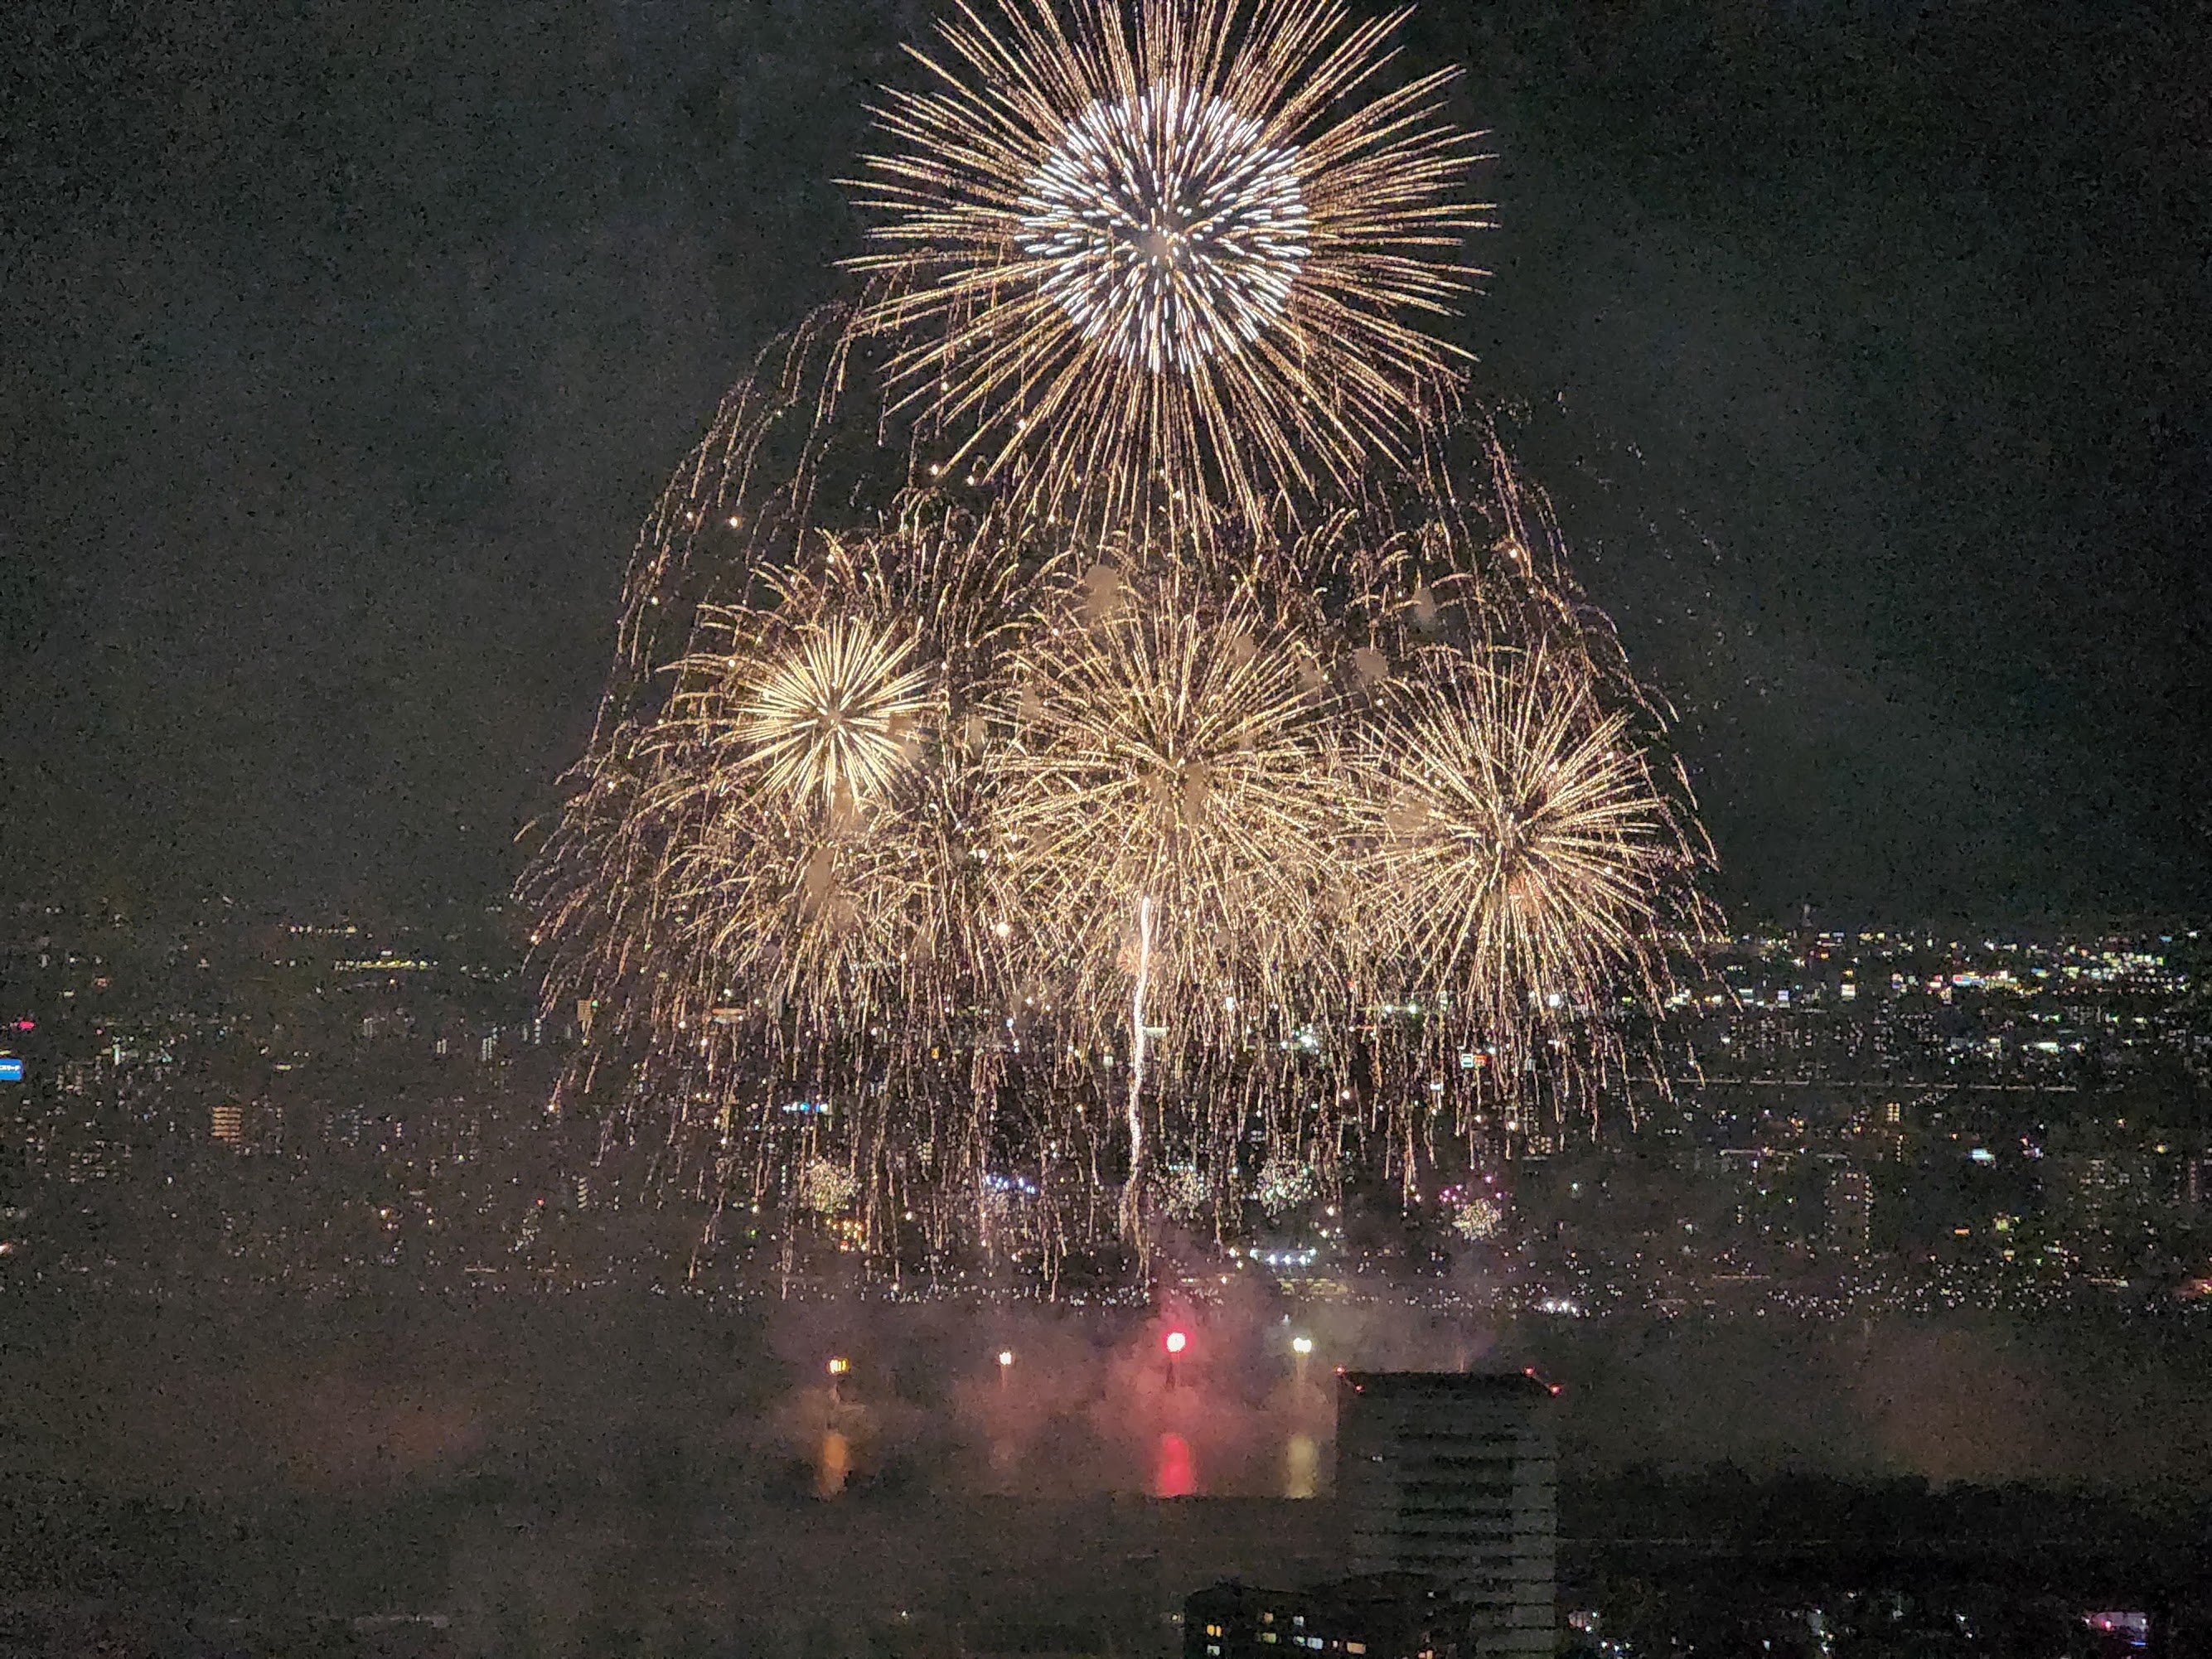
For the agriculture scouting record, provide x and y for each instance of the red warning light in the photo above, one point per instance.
(1176, 1341)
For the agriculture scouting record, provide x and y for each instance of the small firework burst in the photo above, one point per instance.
(1168, 253)
(834, 717)
(1478, 1218)
(1285, 1184)
(1186, 1196)
(827, 1188)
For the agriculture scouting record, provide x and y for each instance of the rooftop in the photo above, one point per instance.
(1444, 1385)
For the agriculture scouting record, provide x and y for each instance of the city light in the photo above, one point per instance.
(1005, 1357)
(1301, 1345)
(1177, 1341)
(840, 1365)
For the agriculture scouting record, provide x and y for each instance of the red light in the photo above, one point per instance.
(26, 1025)
(1175, 1474)
(1177, 1341)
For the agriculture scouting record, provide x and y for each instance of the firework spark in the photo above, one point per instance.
(1165, 254)
(1132, 1189)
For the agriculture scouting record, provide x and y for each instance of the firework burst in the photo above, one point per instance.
(778, 867)
(1163, 256)
(951, 889)
(1527, 863)
(830, 723)
(1168, 805)
(1167, 794)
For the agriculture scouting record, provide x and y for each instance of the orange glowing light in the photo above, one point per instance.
(840, 1365)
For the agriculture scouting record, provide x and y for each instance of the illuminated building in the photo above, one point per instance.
(1850, 1209)
(1456, 1477)
(1382, 1615)
(2196, 1180)
(227, 1123)
(2092, 1189)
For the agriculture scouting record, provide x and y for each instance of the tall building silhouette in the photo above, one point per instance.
(1456, 1477)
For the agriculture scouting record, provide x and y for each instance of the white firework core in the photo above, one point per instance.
(1166, 227)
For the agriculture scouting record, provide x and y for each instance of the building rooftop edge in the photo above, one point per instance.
(1522, 1384)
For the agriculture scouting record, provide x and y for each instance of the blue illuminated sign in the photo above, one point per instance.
(11, 1069)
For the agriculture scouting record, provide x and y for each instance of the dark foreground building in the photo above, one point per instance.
(1456, 1478)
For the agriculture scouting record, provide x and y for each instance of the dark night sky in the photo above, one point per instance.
(1865, 347)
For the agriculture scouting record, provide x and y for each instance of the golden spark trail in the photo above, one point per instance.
(1133, 1189)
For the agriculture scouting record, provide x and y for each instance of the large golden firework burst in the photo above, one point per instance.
(1169, 792)
(784, 855)
(823, 744)
(1521, 855)
(1165, 255)
(1167, 813)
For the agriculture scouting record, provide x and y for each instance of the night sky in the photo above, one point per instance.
(1865, 347)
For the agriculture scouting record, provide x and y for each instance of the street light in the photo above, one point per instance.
(1301, 1345)
(1175, 1342)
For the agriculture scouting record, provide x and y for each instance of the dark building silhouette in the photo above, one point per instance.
(1456, 1478)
